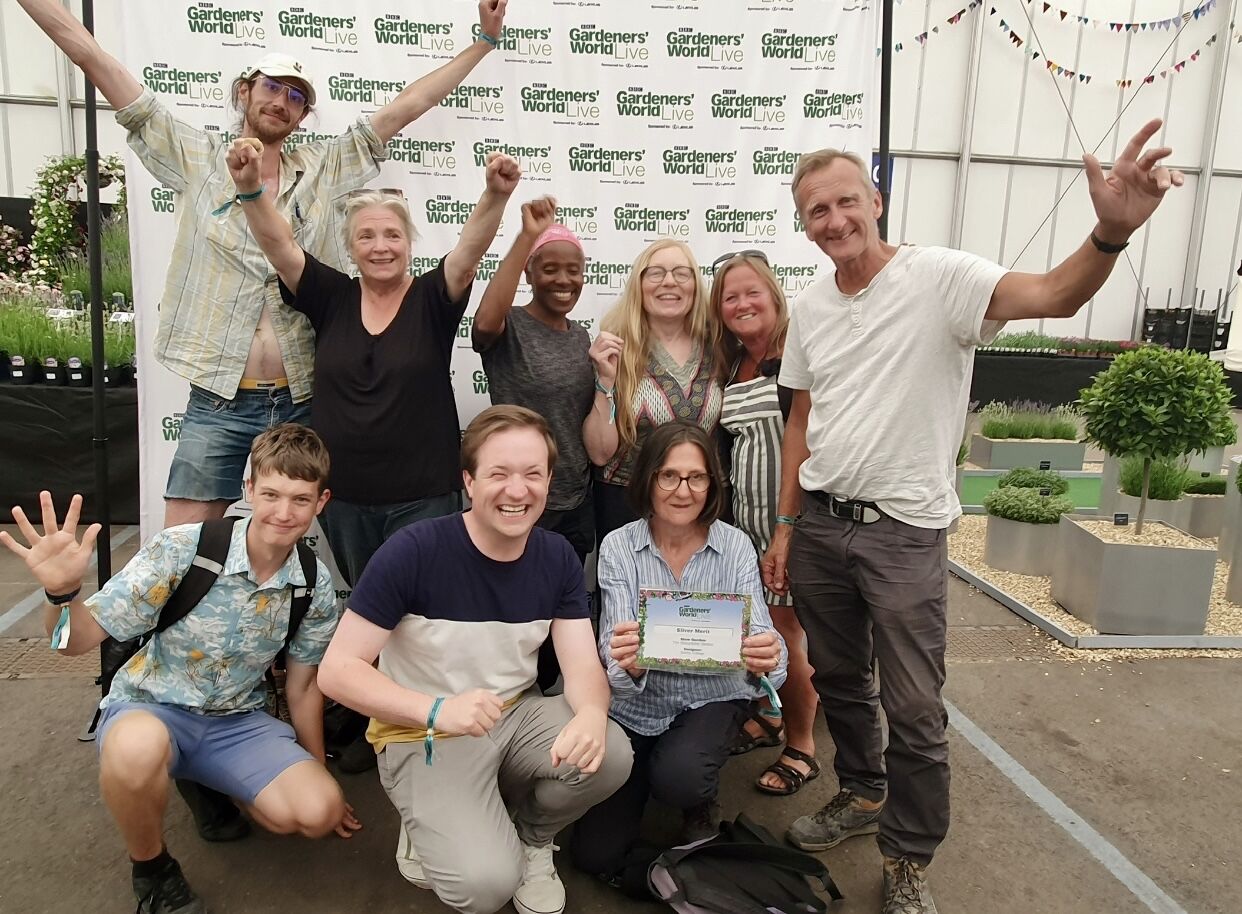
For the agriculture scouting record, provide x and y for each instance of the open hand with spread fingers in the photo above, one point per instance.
(1126, 197)
(57, 559)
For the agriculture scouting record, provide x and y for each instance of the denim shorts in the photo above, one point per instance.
(215, 439)
(236, 754)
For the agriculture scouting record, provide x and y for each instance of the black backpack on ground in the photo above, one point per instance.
(213, 550)
(742, 870)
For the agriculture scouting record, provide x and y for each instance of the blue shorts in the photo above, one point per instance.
(236, 754)
(215, 438)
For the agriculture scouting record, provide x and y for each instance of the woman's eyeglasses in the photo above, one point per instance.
(725, 258)
(655, 275)
(671, 480)
(297, 98)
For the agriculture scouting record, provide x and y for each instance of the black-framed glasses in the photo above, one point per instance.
(297, 98)
(752, 252)
(682, 275)
(671, 480)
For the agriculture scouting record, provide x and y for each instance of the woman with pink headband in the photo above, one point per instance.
(536, 357)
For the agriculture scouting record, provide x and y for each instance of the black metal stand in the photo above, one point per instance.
(100, 438)
(886, 100)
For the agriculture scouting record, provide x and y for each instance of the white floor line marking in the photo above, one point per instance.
(1125, 872)
(34, 599)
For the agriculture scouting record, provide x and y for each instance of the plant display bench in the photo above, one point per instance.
(46, 436)
(1008, 453)
(1127, 588)
(1018, 546)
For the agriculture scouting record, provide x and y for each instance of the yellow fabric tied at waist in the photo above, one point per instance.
(380, 734)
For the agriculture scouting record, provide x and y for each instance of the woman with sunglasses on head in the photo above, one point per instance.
(384, 401)
(751, 318)
(680, 724)
(656, 368)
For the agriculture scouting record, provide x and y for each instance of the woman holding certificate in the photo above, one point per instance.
(688, 643)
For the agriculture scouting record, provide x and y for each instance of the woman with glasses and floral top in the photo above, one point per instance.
(680, 724)
(384, 401)
(656, 366)
(751, 317)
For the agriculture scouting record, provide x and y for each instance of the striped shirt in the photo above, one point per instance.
(665, 393)
(752, 416)
(218, 279)
(628, 562)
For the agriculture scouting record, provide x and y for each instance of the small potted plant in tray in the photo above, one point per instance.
(1121, 578)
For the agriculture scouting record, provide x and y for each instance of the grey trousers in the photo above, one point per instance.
(469, 812)
(879, 590)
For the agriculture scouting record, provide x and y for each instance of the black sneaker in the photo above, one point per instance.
(216, 817)
(167, 892)
(905, 888)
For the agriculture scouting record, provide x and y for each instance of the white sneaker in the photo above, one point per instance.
(541, 891)
(408, 862)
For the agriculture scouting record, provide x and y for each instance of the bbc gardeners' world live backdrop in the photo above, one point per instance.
(645, 120)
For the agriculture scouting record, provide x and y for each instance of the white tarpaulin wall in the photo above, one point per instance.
(644, 119)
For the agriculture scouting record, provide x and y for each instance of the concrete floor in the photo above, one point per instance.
(1147, 756)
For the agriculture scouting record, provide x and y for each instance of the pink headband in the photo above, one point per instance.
(556, 233)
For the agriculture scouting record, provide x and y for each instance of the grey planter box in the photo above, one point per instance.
(958, 472)
(1206, 515)
(1012, 545)
(1209, 461)
(1007, 453)
(1174, 513)
(1233, 513)
(1122, 589)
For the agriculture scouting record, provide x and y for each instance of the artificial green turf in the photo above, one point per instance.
(1084, 491)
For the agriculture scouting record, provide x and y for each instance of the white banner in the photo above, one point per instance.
(645, 120)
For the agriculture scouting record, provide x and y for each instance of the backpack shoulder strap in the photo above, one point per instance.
(213, 550)
(300, 604)
(785, 396)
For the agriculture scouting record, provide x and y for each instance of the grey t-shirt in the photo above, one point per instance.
(549, 371)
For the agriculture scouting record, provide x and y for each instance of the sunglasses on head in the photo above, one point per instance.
(296, 96)
(725, 258)
(384, 191)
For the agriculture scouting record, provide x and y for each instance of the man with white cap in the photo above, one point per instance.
(222, 325)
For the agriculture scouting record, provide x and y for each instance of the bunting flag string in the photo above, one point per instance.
(1151, 25)
(1065, 72)
(922, 37)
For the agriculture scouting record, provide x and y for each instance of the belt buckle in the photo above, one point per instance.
(858, 511)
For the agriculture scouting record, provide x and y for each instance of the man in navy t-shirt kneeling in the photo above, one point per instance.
(483, 768)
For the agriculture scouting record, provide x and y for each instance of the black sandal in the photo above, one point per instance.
(744, 742)
(794, 779)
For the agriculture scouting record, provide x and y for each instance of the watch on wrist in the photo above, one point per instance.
(1104, 247)
(62, 599)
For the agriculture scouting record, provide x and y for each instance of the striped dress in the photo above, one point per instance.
(752, 415)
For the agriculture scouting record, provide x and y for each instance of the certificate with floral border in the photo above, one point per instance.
(692, 632)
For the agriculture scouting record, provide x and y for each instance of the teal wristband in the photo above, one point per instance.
(610, 394)
(239, 198)
(430, 738)
(494, 42)
(786, 519)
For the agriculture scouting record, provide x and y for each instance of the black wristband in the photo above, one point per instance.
(1105, 248)
(62, 599)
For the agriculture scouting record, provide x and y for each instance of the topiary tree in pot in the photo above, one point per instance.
(1155, 403)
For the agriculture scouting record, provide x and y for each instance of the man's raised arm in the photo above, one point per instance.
(425, 93)
(116, 83)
